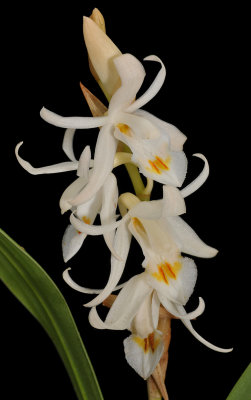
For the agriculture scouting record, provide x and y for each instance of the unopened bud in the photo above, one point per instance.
(102, 51)
(98, 18)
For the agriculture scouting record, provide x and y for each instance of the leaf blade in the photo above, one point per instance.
(38, 293)
(242, 388)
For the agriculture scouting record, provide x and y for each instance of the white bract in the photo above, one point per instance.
(156, 145)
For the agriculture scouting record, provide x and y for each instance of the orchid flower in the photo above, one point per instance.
(156, 146)
(168, 279)
(103, 202)
(162, 214)
(144, 347)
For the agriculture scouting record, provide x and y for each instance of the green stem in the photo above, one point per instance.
(135, 177)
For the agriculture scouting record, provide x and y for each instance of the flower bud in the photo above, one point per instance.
(102, 51)
(98, 18)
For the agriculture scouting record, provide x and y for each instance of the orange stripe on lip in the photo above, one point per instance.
(161, 163)
(163, 275)
(170, 270)
(152, 163)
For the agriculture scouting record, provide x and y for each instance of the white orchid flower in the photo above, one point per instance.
(103, 202)
(144, 347)
(168, 279)
(156, 145)
(162, 218)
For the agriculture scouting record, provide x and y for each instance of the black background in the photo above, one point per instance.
(203, 49)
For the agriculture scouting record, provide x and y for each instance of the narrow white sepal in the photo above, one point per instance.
(171, 307)
(95, 230)
(153, 89)
(83, 289)
(187, 240)
(72, 122)
(84, 163)
(198, 337)
(121, 246)
(198, 182)
(103, 164)
(50, 169)
(68, 143)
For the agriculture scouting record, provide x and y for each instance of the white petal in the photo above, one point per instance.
(103, 164)
(83, 289)
(176, 137)
(198, 182)
(73, 239)
(132, 74)
(147, 209)
(139, 354)
(95, 230)
(123, 311)
(172, 308)
(141, 128)
(187, 240)
(72, 122)
(71, 242)
(173, 202)
(176, 285)
(71, 191)
(109, 207)
(84, 163)
(68, 143)
(121, 246)
(142, 324)
(187, 278)
(88, 211)
(197, 336)
(153, 89)
(151, 151)
(155, 309)
(50, 169)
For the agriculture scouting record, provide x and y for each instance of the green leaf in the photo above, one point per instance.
(242, 389)
(38, 293)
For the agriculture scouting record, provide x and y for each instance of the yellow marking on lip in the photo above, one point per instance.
(138, 225)
(158, 165)
(150, 343)
(86, 220)
(125, 129)
(166, 270)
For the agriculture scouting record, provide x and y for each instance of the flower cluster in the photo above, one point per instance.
(155, 148)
